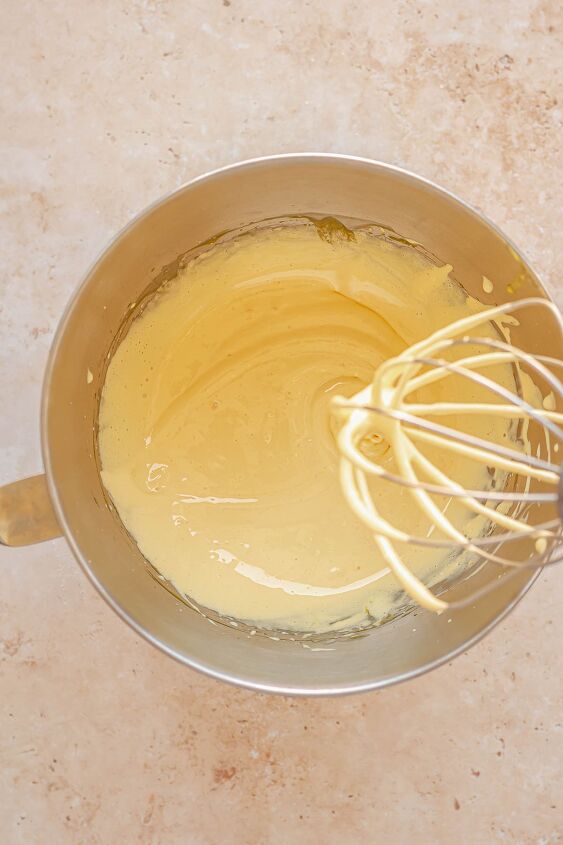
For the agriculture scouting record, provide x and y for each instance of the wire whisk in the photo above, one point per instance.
(388, 411)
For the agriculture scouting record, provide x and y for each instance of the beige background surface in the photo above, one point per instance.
(105, 106)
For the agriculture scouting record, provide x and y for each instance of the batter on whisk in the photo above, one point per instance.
(420, 447)
(216, 440)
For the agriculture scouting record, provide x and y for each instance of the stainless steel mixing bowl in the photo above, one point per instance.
(73, 497)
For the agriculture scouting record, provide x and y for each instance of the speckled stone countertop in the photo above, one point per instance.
(107, 105)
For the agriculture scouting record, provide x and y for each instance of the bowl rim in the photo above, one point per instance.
(336, 690)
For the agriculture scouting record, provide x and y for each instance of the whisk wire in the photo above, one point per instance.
(383, 409)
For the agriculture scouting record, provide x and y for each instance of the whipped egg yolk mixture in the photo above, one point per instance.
(216, 439)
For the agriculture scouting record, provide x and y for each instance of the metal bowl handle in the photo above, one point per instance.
(26, 513)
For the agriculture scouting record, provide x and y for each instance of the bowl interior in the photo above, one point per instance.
(145, 253)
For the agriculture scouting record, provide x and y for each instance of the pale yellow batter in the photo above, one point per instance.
(215, 433)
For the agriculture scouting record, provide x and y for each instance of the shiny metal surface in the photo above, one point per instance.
(228, 199)
(26, 513)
